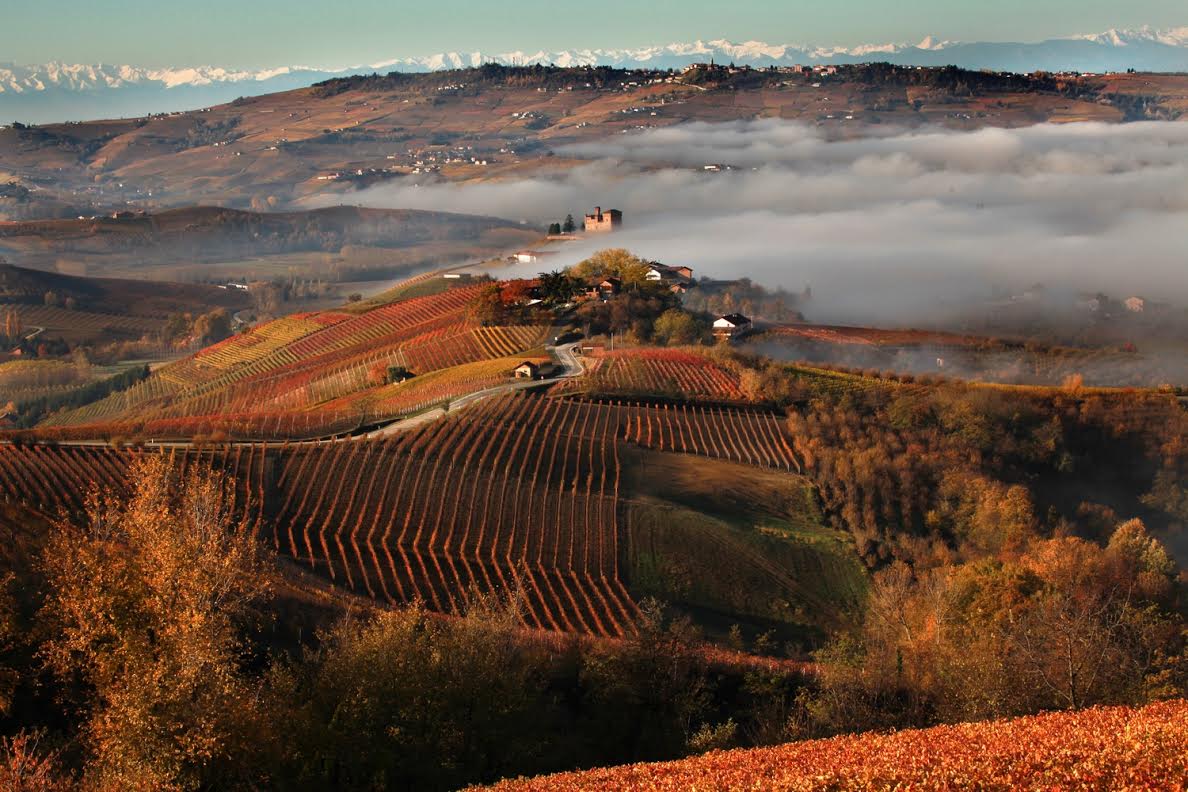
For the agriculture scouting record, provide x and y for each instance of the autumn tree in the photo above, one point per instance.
(148, 600)
(558, 287)
(1062, 623)
(614, 262)
(676, 327)
(487, 307)
(656, 681)
(213, 327)
(12, 325)
(408, 700)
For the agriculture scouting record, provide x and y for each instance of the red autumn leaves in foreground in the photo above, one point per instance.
(1111, 748)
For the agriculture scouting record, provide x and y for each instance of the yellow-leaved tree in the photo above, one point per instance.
(149, 599)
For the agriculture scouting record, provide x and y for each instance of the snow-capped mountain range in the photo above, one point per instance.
(58, 91)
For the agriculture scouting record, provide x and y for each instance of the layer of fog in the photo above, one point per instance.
(884, 227)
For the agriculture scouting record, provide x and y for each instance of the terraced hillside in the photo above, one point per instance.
(309, 375)
(549, 494)
(681, 374)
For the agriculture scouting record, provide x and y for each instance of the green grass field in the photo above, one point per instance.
(735, 544)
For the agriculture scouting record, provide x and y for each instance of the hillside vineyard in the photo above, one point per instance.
(281, 380)
(520, 492)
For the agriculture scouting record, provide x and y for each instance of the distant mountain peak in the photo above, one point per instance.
(60, 91)
(1124, 37)
(931, 42)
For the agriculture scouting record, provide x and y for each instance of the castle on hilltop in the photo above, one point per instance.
(600, 221)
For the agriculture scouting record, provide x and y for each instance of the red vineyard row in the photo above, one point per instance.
(521, 493)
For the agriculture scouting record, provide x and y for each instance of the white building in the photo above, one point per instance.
(731, 325)
(530, 256)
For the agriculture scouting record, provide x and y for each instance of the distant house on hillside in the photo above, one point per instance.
(662, 272)
(531, 256)
(602, 222)
(527, 370)
(731, 326)
(603, 288)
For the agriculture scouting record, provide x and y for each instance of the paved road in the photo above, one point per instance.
(571, 366)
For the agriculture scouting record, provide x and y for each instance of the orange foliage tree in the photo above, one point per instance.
(147, 601)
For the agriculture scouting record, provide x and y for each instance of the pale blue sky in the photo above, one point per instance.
(259, 33)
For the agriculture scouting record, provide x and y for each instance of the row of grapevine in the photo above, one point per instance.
(686, 374)
(740, 435)
(331, 387)
(384, 322)
(267, 368)
(532, 489)
(520, 492)
(54, 318)
(57, 480)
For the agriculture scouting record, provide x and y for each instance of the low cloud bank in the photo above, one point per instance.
(883, 226)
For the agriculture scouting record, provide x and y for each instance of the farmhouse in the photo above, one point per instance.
(731, 326)
(527, 370)
(603, 288)
(664, 273)
(603, 222)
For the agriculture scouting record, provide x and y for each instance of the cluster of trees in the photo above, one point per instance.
(506, 302)
(148, 645)
(1004, 580)
(269, 298)
(1062, 623)
(532, 76)
(54, 300)
(151, 644)
(899, 465)
(567, 227)
(614, 263)
(207, 328)
(643, 311)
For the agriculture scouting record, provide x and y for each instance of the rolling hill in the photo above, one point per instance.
(91, 311)
(491, 122)
(58, 91)
(563, 492)
(207, 242)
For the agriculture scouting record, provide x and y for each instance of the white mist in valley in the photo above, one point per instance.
(883, 225)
